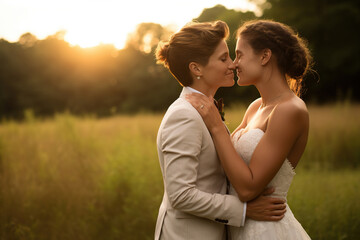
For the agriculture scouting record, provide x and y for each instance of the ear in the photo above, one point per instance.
(195, 69)
(266, 56)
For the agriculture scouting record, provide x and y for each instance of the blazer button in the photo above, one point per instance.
(221, 220)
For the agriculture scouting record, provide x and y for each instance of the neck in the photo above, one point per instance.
(204, 89)
(273, 90)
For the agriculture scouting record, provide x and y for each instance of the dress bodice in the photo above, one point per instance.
(288, 227)
(245, 144)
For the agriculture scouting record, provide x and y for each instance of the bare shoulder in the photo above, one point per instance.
(253, 107)
(295, 107)
(292, 111)
(250, 111)
(255, 104)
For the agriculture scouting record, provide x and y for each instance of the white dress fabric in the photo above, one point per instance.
(288, 227)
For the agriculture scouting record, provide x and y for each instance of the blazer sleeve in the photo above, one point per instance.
(181, 142)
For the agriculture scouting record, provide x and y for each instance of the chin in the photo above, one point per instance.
(229, 83)
(241, 84)
(226, 82)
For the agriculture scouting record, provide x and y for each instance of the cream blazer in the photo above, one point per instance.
(195, 204)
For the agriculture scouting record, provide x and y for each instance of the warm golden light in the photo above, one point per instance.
(90, 37)
(99, 23)
(88, 23)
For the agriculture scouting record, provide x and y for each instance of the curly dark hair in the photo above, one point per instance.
(291, 51)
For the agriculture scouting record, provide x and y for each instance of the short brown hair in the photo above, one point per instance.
(293, 56)
(195, 42)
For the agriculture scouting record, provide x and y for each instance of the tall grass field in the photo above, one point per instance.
(83, 178)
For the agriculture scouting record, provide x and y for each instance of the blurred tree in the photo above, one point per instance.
(144, 85)
(147, 36)
(50, 76)
(12, 75)
(27, 39)
(330, 27)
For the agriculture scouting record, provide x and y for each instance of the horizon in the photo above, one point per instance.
(92, 23)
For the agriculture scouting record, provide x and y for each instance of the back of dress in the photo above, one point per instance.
(288, 227)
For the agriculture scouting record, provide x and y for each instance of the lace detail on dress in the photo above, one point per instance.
(245, 144)
(288, 227)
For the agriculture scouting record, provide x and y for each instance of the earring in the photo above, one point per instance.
(198, 77)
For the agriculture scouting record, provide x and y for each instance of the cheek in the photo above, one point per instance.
(251, 69)
(249, 74)
(219, 72)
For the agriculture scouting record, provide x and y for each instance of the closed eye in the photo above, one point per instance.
(224, 57)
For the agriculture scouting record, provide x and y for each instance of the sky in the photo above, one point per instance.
(89, 23)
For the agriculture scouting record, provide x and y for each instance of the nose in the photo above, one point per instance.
(236, 61)
(232, 66)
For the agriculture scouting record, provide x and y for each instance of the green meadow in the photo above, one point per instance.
(87, 178)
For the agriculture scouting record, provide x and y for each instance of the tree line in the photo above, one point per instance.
(49, 76)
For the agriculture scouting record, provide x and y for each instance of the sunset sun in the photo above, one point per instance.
(88, 23)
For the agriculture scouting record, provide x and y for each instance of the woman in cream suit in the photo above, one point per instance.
(195, 204)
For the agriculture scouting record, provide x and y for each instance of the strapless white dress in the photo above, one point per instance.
(286, 229)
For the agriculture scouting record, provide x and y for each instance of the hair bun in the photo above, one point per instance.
(298, 58)
(298, 63)
(162, 53)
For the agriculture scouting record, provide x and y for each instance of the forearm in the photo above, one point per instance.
(180, 177)
(209, 205)
(238, 172)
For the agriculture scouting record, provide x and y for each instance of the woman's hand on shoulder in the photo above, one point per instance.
(207, 109)
(252, 109)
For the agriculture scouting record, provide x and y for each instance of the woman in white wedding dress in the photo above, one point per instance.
(268, 144)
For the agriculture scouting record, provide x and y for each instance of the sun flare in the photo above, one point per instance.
(97, 25)
(86, 38)
(90, 23)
